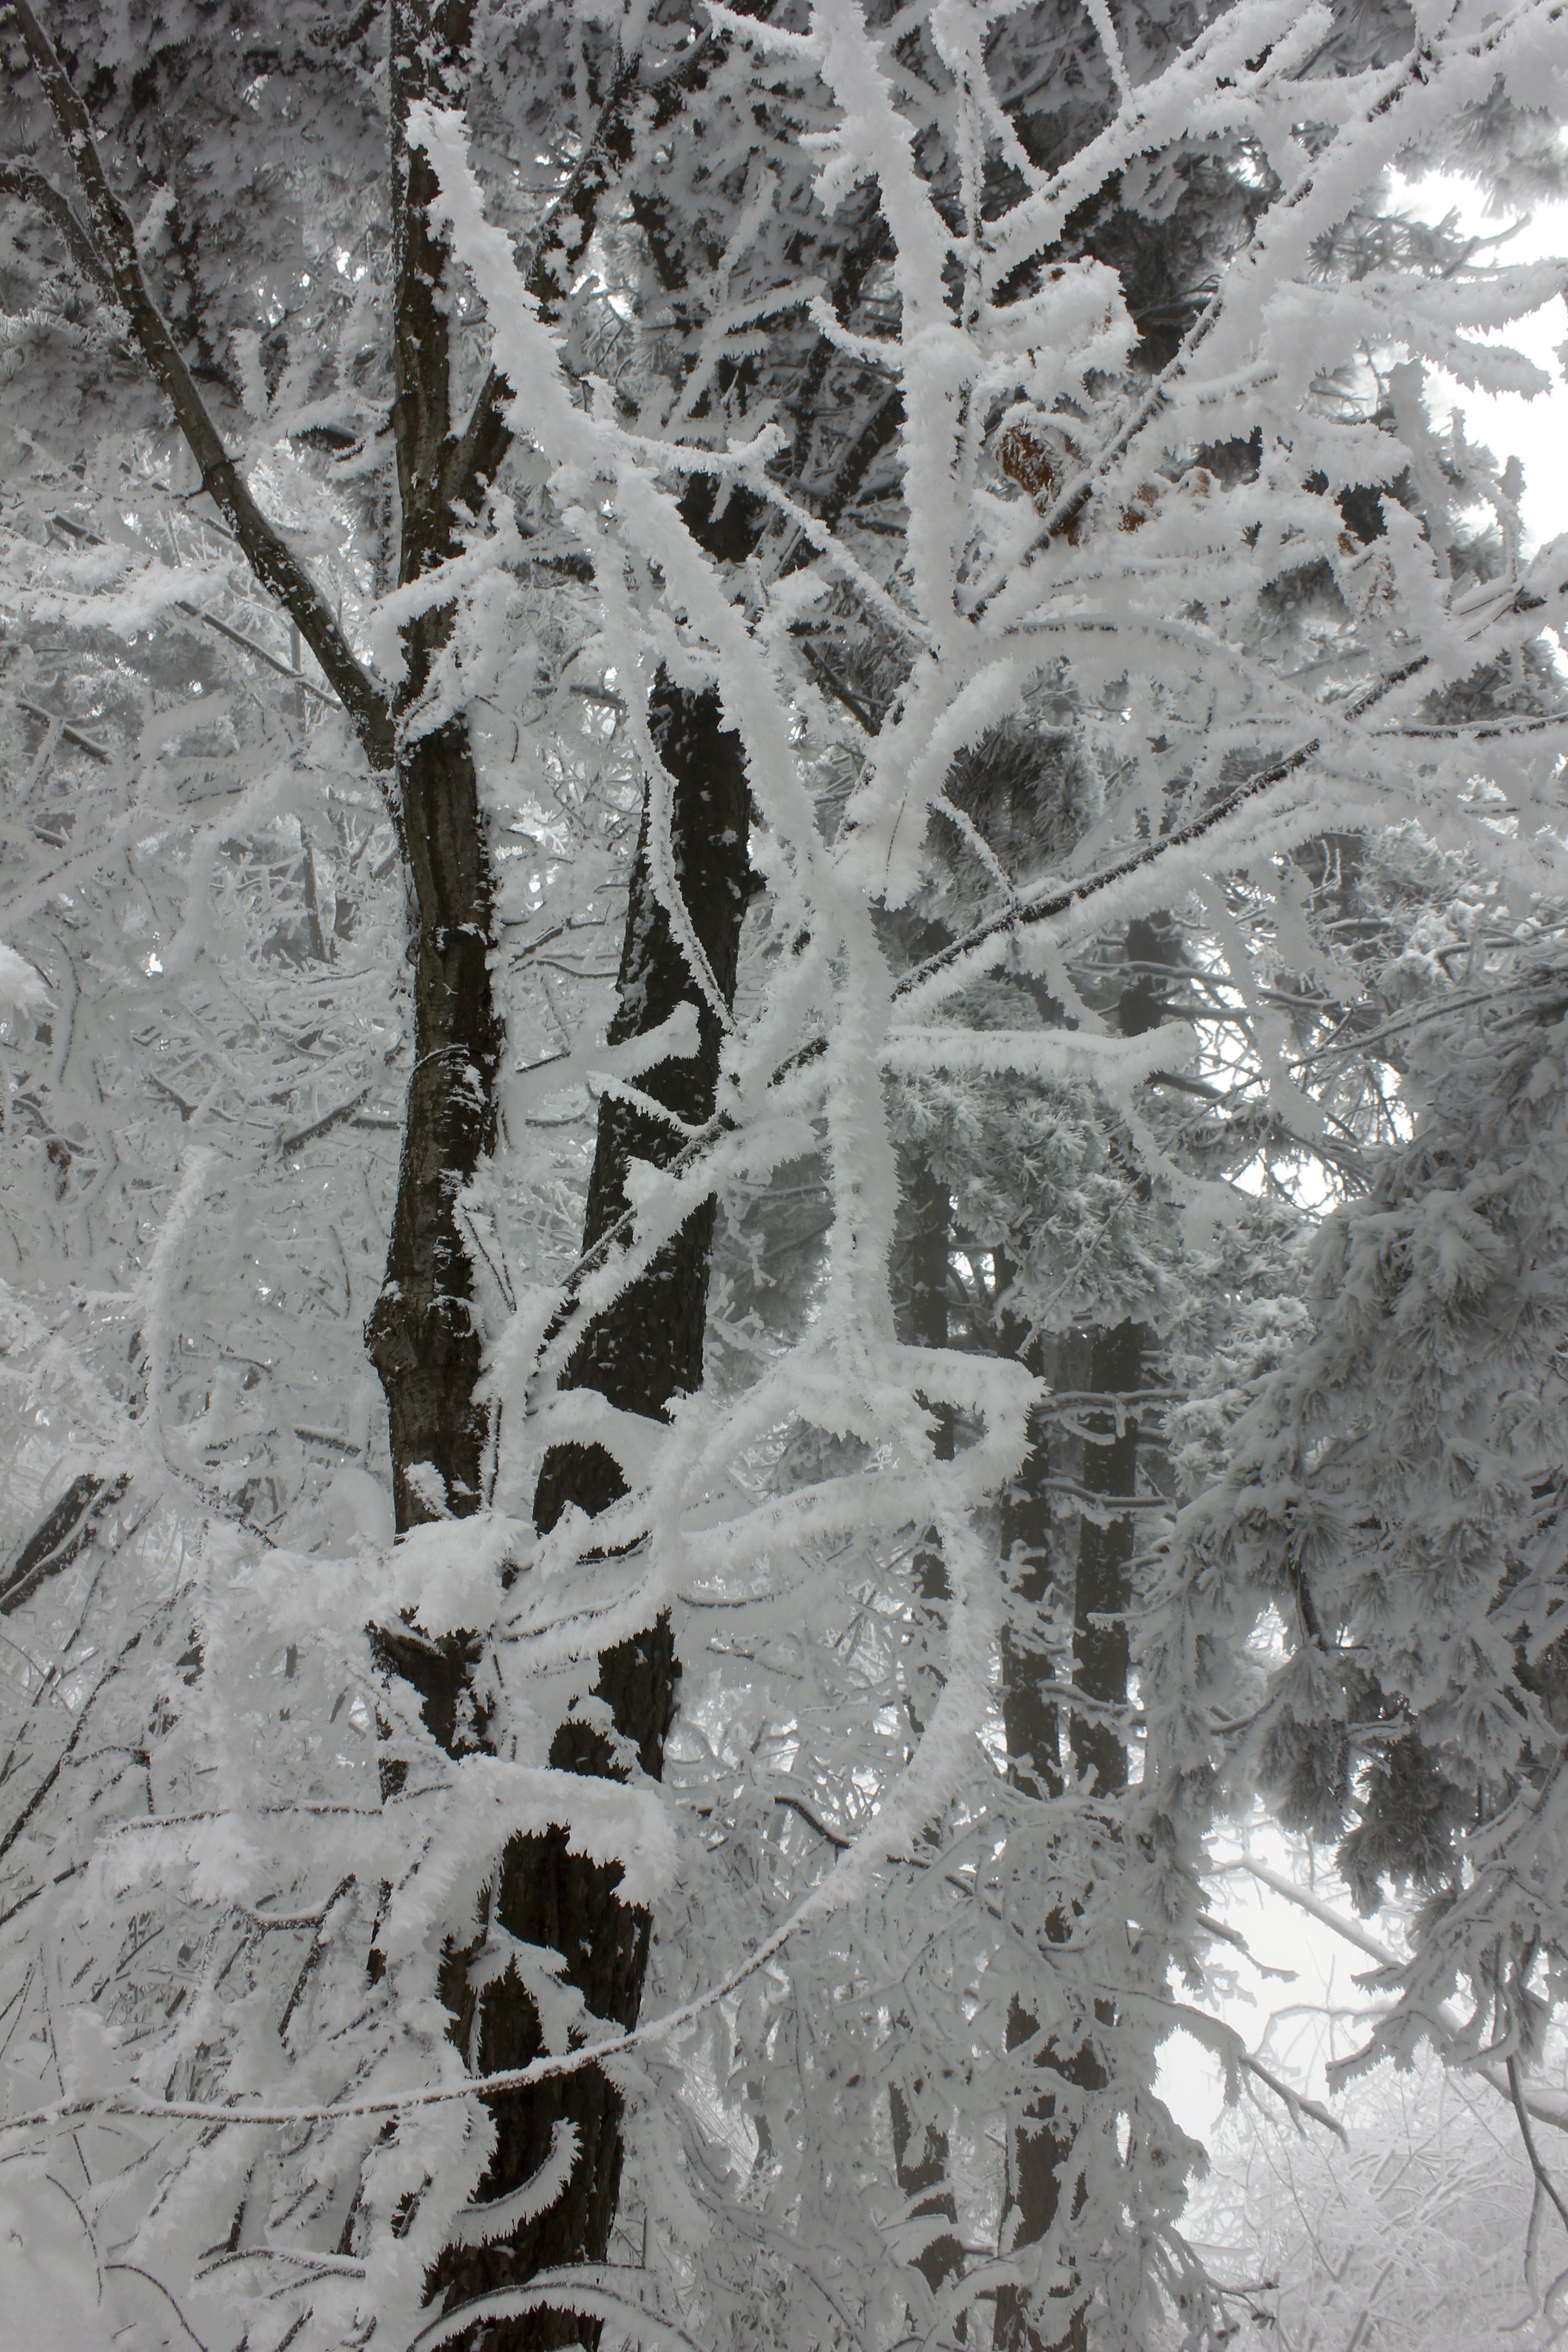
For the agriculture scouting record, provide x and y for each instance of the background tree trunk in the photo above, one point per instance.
(920, 2148)
(1029, 1715)
(1042, 2149)
(1112, 1360)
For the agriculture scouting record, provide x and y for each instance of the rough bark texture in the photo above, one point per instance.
(422, 1336)
(920, 2149)
(1041, 2150)
(643, 1351)
(1107, 1362)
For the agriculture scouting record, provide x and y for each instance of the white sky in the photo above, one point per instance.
(1534, 431)
(1300, 2040)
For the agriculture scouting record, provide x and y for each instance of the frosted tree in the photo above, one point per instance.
(804, 364)
(1416, 1598)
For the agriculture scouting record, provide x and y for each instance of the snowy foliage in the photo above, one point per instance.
(1393, 1496)
(1410, 2231)
(1064, 615)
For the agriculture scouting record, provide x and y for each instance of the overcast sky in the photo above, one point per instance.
(1535, 431)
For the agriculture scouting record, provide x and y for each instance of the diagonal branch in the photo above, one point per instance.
(74, 1521)
(19, 180)
(1295, 2104)
(1537, 2097)
(53, 1774)
(270, 558)
(474, 458)
(208, 620)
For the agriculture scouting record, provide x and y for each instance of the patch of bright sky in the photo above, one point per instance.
(1535, 431)
(1297, 2011)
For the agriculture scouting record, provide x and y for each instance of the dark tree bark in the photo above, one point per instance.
(1103, 1591)
(1112, 1359)
(424, 1339)
(422, 1336)
(922, 2177)
(927, 1211)
(920, 2149)
(1042, 2147)
(1029, 1715)
(60, 1537)
(643, 1351)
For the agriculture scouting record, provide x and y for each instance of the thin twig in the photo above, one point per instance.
(20, 180)
(71, 733)
(1298, 2106)
(798, 1804)
(53, 1774)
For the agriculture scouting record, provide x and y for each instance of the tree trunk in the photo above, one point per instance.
(1104, 1590)
(1029, 1715)
(1041, 2154)
(927, 1213)
(922, 2179)
(920, 2149)
(1042, 2151)
(422, 1336)
(641, 1352)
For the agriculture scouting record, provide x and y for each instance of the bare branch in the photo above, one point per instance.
(324, 1125)
(270, 557)
(834, 1837)
(1537, 2098)
(1298, 2106)
(53, 1774)
(71, 733)
(56, 1540)
(19, 180)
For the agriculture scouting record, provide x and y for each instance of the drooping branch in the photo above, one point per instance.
(1538, 2097)
(265, 549)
